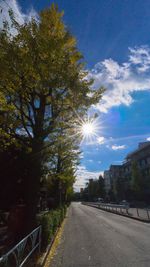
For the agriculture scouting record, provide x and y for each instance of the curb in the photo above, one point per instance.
(121, 214)
(49, 247)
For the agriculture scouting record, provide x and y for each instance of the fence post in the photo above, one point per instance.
(147, 214)
(40, 232)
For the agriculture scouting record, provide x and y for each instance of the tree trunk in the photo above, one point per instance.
(33, 184)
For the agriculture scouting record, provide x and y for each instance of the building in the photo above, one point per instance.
(142, 158)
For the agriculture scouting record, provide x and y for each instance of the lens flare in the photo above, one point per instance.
(87, 129)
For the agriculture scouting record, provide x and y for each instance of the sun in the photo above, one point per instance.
(88, 129)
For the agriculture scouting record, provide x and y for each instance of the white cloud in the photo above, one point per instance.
(140, 137)
(107, 141)
(99, 162)
(115, 147)
(121, 80)
(90, 160)
(82, 177)
(148, 139)
(140, 58)
(20, 17)
(101, 140)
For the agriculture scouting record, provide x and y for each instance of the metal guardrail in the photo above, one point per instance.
(17, 253)
(109, 207)
(140, 212)
(147, 210)
(121, 209)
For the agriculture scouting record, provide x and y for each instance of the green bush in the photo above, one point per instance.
(46, 222)
(50, 221)
(56, 219)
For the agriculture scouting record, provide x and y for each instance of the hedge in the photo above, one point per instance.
(50, 222)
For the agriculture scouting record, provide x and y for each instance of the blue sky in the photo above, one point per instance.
(114, 37)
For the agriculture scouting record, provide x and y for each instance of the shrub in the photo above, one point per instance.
(46, 222)
(56, 214)
(50, 221)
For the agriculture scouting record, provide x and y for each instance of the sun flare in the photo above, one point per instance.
(87, 129)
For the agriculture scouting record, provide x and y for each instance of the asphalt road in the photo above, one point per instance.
(95, 238)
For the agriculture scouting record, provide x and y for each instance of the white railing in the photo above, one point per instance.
(109, 207)
(19, 254)
(143, 214)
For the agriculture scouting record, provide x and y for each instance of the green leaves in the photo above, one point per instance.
(43, 88)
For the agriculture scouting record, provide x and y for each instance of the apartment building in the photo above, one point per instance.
(141, 156)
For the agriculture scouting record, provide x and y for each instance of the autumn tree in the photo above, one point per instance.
(62, 164)
(43, 79)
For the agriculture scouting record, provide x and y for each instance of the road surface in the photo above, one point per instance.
(95, 238)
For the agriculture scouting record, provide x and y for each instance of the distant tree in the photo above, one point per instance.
(138, 181)
(101, 186)
(94, 189)
(111, 195)
(120, 188)
(147, 188)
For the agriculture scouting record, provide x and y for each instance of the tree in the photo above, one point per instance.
(43, 78)
(101, 187)
(6, 121)
(119, 188)
(95, 189)
(14, 170)
(137, 182)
